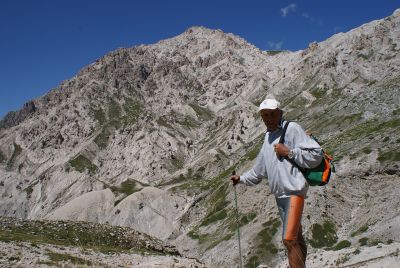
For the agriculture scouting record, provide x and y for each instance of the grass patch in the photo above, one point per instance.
(265, 246)
(252, 262)
(99, 115)
(133, 109)
(81, 163)
(29, 191)
(163, 122)
(342, 244)
(366, 150)
(114, 119)
(102, 238)
(63, 257)
(255, 147)
(245, 219)
(389, 156)
(218, 212)
(318, 92)
(127, 187)
(339, 143)
(359, 231)
(114, 110)
(203, 113)
(217, 216)
(323, 235)
(218, 203)
(273, 52)
(363, 241)
(2, 158)
(17, 151)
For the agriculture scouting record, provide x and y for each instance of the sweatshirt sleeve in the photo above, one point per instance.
(257, 172)
(307, 153)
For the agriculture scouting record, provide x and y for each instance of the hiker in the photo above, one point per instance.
(285, 180)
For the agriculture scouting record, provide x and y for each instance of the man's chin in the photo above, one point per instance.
(272, 128)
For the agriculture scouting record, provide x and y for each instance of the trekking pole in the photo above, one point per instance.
(237, 223)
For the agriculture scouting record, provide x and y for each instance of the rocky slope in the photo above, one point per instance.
(146, 137)
(58, 243)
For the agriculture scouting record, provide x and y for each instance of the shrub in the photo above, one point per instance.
(360, 230)
(81, 163)
(342, 244)
(363, 241)
(323, 235)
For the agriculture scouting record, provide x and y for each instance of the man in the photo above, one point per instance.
(285, 180)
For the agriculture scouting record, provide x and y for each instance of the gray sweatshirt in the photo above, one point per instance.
(283, 177)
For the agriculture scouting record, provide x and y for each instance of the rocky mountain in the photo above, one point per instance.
(146, 138)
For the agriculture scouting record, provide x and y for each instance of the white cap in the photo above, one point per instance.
(270, 104)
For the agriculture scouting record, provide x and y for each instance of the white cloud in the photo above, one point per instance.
(308, 17)
(286, 10)
(312, 19)
(275, 45)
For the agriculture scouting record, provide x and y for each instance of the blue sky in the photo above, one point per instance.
(43, 42)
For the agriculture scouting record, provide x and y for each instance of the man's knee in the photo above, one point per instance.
(290, 243)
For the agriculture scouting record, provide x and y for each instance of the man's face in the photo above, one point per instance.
(271, 118)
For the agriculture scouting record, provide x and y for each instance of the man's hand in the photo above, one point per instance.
(281, 150)
(235, 179)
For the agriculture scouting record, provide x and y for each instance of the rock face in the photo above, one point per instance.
(14, 118)
(146, 137)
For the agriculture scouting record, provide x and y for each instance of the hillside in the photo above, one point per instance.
(146, 138)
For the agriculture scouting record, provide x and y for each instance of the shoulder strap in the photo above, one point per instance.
(282, 138)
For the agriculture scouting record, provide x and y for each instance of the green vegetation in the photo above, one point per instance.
(81, 163)
(253, 148)
(2, 158)
(264, 244)
(203, 113)
(344, 258)
(114, 118)
(17, 151)
(318, 92)
(217, 211)
(396, 112)
(186, 121)
(273, 52)
(363, 130)
(389, 156)
(323, 235)
(177, 162)
(114, 110)
(127, 187)
(29, 191)
(217, 216)
(164, 123)
(218, 202)
(252, 262)
(102, 238)
(360, 230)
(363, 241)
(366, 150)
(245, 219)
(99, 115)
(102, 139)
(133, 110)
(55, 258)
(266, 235)
(375, 242)
(342, 244)
(365, 56)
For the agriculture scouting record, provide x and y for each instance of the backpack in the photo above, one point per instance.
(319, 175)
